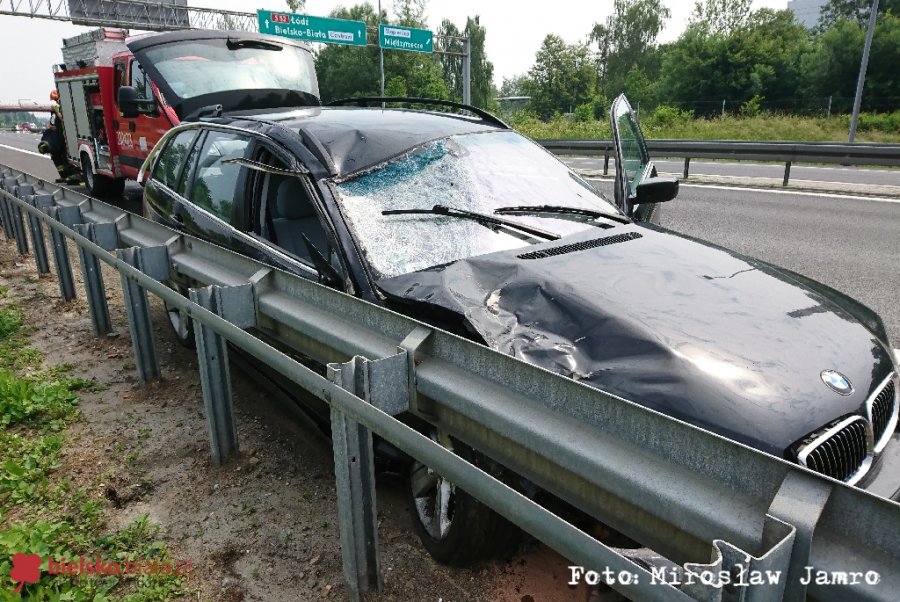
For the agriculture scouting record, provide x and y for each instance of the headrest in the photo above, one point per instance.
(291, 201)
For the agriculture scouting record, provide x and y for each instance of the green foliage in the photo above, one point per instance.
(751, 107)
(563, 77)
(10, 119)
(664, 117)
(670, 122)
(832, 65)
(721, 17)
(854, 10)
(762, 57)
(627, 41)
(55, 519)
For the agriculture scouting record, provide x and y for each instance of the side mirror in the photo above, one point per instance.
(128, 102)
(132, 106)
(658, 189)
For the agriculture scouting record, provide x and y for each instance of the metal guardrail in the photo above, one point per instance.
(787, 152)
(716, 507)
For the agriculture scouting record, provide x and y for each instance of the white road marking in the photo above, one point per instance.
(22, 150)
(829, 195)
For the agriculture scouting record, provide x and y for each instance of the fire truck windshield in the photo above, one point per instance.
(198, 67)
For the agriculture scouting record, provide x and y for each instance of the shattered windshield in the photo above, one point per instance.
(471, 172)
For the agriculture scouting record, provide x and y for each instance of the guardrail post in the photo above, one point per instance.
(9, 185)
(787, 173)
(42, 202)
(153, 261)
(235, 304)
(799, 502)
(104, 235)
(22, 192)
(606, 163)
(687, 165)
(68, 216)
(355, 475)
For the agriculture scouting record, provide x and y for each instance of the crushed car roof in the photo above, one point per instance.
(360, 138)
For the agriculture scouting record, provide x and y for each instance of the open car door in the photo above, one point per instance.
(638, 188)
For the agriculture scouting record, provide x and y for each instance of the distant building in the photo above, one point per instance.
(806, 12)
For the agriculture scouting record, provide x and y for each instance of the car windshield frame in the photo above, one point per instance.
(480, 172)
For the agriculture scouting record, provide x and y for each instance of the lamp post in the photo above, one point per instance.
(862, 70)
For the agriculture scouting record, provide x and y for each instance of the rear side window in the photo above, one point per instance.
(170, 159)
(214, 185)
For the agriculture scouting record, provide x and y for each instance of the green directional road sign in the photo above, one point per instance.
(395, 37)
(312, 29)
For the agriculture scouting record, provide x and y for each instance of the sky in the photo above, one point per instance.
(29, 47)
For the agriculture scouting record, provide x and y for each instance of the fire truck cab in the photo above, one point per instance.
(119, 95)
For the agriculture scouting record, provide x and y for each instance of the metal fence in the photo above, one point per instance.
(786, 152)
(715, 507)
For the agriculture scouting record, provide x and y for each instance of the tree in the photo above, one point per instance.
(296, 6)
(760, 58)
(721, 16)
(481, 70)
(832, 65)
(451, 64)
(346, 71)
(627, 40)
(562, 78)
(517, 85)
(410, 13)
(854, 10)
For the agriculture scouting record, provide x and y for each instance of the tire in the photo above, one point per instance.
(182, 325)
(98, 185)
(465, 532)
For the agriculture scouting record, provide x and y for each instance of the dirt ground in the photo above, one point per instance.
(263, 526)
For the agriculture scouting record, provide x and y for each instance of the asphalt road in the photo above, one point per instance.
(23, 140)
(847, 175)
(851, 244)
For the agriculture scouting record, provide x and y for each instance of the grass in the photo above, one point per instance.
(665, 123)
(41, 510)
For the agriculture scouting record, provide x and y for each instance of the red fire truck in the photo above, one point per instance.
(118, 95)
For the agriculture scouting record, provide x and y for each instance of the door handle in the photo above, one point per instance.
(176, 217)
(131, 126)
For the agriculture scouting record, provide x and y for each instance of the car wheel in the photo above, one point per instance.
(454, 527)
(181, 323)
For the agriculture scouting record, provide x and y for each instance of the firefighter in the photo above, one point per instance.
(53, 142)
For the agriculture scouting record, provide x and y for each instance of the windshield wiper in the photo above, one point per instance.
(478, 217)
(559, 209)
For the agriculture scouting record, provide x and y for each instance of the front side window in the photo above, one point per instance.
(214, 184)
(634, 152)
(200, 67)
(171, 158)
(140, 82)
(474, 172)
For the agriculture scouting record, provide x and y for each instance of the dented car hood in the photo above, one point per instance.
(706, 335)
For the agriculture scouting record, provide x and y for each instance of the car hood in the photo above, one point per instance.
(720, 340)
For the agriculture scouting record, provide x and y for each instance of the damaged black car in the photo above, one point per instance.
(457, 220)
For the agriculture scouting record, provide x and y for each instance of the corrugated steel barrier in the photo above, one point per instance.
(782, 152)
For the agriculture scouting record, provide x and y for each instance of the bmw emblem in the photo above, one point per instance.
(837, 382)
